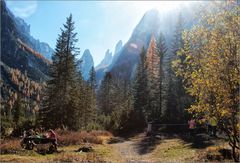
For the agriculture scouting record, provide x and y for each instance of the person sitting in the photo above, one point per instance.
(52, 135)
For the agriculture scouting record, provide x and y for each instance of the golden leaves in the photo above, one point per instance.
(209, 47)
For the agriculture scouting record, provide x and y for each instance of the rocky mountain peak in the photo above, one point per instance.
(86, 63)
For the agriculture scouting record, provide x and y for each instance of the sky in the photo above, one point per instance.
(99, 24)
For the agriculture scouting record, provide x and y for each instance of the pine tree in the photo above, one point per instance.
(152, 63)
(104, 95)
(92, 79)
(182, 101)
(59, 110)
(89, 101)
(140, 90)
(18, 110)
(162, 49)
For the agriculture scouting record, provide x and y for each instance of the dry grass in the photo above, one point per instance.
(77, 157)
(174, 150)
(10, 146)
(66, 138)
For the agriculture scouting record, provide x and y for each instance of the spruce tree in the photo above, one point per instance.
(89, 101)
(152, 63)
(18, 110)
(176, 105)
(92, 79)
(162, 49)
(104, 95)
(59, 110)
(140, 90)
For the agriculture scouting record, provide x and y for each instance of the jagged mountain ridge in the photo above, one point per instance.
(102, 68)
(86, 63)
(33, 43)
(152, 23)
(107, 60)
(128, 58)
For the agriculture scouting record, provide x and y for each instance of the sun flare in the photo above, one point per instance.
(162, 6)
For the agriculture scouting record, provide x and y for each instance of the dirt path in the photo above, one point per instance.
(129, 150)
(160, 148)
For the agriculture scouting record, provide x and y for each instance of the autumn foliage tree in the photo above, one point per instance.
(152, 66)
(211, 71)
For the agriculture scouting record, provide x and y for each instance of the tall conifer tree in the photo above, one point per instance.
(141, 90)
(152, 63)
(59, 110)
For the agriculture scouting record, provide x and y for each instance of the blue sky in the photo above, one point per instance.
(99, 24)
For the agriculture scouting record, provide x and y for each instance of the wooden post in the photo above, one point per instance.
(149, 128)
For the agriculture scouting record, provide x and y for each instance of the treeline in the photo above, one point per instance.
(29, 49)
(155, 95)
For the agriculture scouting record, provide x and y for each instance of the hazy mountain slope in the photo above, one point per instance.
(107, 60)
(128, 58)
(17, 48)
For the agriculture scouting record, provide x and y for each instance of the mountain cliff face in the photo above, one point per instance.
(118, 48)
(19, 48)
(23, 28)
(107, 60)
(86, 63)
(152, 23)
(128, 57)
(24, 66)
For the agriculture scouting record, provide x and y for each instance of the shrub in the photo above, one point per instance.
(8, 146)
(72, 138)
(6, 125)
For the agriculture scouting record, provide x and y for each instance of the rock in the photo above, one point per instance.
(85, 149)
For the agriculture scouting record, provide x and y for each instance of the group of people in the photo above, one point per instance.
(31, 133)
(211, 126)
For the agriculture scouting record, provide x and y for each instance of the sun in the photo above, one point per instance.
(161, 6)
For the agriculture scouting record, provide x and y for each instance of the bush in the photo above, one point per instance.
(8, 146)
(6, 124)
(26, 125)
(94, 126)
(72, 138)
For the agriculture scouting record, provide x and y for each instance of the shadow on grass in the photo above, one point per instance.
(198, 141)
(115, 140)
(148, 144)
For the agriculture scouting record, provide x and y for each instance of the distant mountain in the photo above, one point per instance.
(24, 59)
(152, 23)
(127, 59)
(107, 60)
(35, 44)
(118, 48)
(19, 50)
(86, 63)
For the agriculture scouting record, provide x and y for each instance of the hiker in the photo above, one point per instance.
(213, 126)
(192, 126)
(52, 135)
